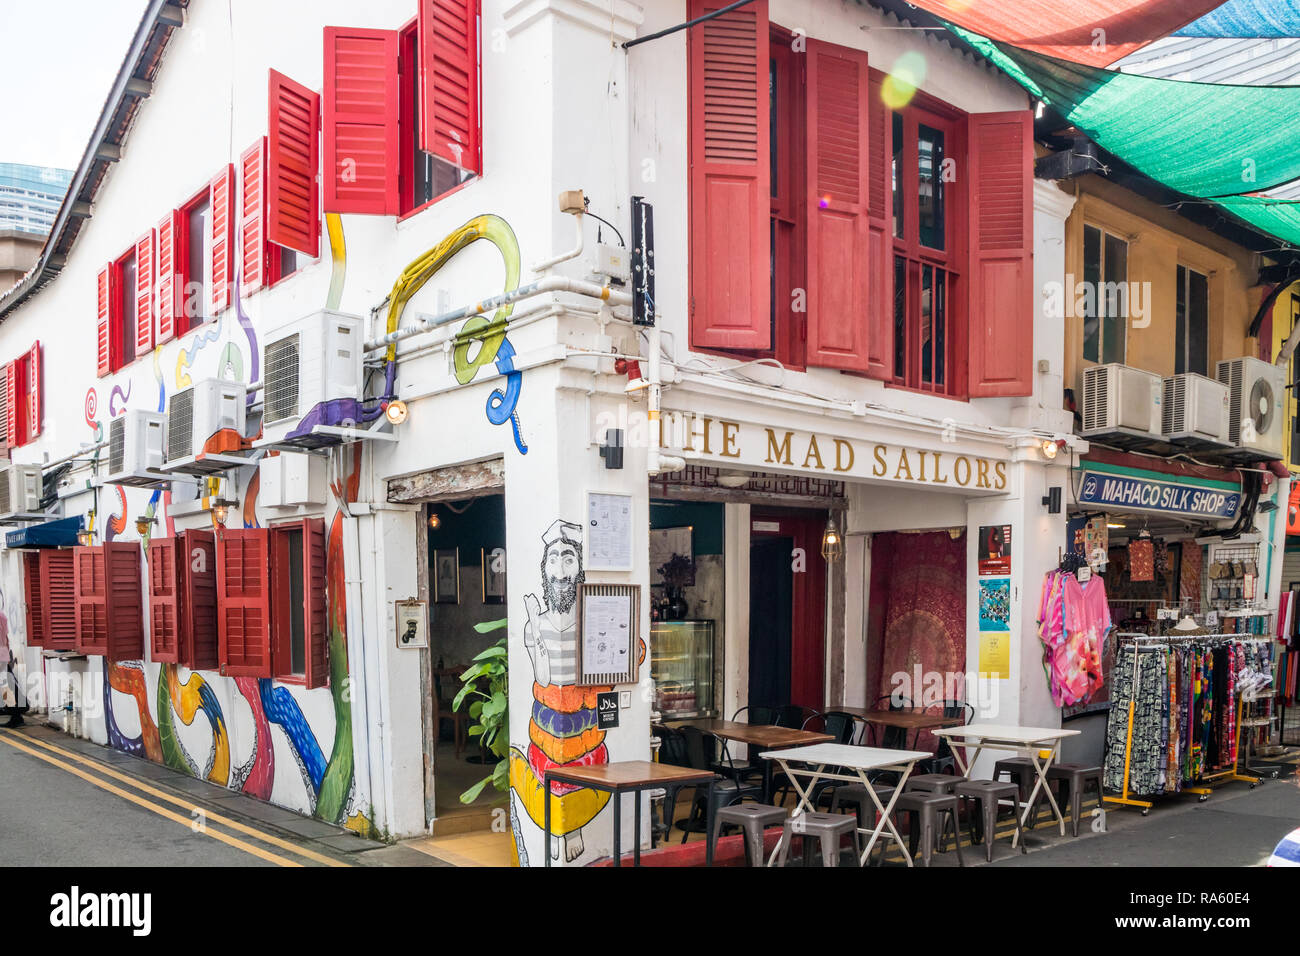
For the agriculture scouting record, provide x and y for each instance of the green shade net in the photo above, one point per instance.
(1202, 139)
(1279, 218)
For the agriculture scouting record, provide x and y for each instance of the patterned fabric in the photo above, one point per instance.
(1147, 687)
(1141, 560)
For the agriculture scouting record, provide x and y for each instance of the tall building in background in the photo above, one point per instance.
(29, 201)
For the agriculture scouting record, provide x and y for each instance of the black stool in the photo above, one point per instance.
(827, 829)
(753, 819)
(1076, 777)
(930, 814)
(988, 793)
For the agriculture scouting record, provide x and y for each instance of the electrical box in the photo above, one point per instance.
(290, 479)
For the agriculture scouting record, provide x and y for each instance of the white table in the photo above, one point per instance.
(1024, 742)
(822, 761)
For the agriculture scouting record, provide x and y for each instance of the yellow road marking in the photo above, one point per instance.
(140, 801)
(189, 804)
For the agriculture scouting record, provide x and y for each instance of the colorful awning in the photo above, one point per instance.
(1068, 29)
(1248, 19)
(60, 533)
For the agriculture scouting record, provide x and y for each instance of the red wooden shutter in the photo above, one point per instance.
(58, 583)
(164, 601)
(220, 193)
(35, 600)
(92, 608)
(13, 435)
(123, 601)
(838, 188)
(252, 217)
(1000, 315)
(144, 280)
(198, 557)
(316, 607)
(35, 390)
(292, 158)
(243, 603)
(104, 288)
(361, 114)
(449, 87)
(730, 202)
(165, 304)
(880, 254)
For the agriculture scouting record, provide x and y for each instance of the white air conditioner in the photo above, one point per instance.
(1121, 402)
(20, 490)
(1256, 406)
(206, 419)
(290, 479)
(136, 444)
(1195, 411)
(312, 380)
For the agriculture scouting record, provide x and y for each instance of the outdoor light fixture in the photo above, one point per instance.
(143, 524)
(84, 538)
(832, 541)
(1049, 449)
(733, 479)
(221, 510)
(396, 412)
(434, 521)
(1052, 500)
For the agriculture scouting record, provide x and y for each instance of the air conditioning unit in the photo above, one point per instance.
(1121, 405)
(312, 381)
(1195, 411)
(290, 479)
(1256, 407)
(205, 427)
(136, 443)
(20, 490)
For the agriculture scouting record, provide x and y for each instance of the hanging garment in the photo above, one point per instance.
(1141, 560)
(1140, 677)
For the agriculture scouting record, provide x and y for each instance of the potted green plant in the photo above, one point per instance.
(485, 686)
(677, 572)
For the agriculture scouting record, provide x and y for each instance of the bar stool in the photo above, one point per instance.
(1078, 776)
(930, 814)
(827, 828)
(753, 819)
(988, 793)
(933, 782)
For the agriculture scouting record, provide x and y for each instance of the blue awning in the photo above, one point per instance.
(1248, 19)
(61, 533)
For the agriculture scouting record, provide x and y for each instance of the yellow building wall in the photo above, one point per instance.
(1282, 323)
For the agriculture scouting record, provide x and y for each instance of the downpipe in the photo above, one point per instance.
(656, 463)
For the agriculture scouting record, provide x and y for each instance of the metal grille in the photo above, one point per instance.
(700, 476)
(117, 445)
(1173, 411)
(6, 479)
(180, 425)
(1096, 398)
(281, 376)
(1230, 374)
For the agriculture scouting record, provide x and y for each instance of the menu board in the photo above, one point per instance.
(609, 532)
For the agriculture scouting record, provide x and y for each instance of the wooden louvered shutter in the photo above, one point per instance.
(317, 629)
(165, 306)
(243, 603)
(198, 557)
(105, 287)
(222, 222)
(362, 100)
(449, 81)
(252, 217)
(123, 601)
(730, 201)
(35, 391)
(838, 187)
(144, 284)
(92, 607)
(880, 253)
(1000, 313)
(58, 583)
(35, 600)
(164, 601)
(292, 158)
(13, 404)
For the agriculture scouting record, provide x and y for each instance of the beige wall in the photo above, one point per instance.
(18, 253)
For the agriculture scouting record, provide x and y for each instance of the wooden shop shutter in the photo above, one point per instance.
(144, 280)
(222, 224)
(252, 217)
(123, 601)
(314, 580)
(58, 584)
(91, 590)
(243, 603)
(880, 253)
(362, 100)
(34, 598)
(166, 305)
(449, 81)
(199, 641)
(164, 601)
(292, 158)
(35, 390)
(13, 402)
(105, 287)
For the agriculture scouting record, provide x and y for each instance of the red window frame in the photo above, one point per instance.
(183, 600)
(24, 387)
(313, 609)
(59, 613)
(182, 254)
(117, 319)
(35, 600)
(109, 600)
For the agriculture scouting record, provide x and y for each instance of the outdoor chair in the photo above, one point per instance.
(944, 761)
(699, 755)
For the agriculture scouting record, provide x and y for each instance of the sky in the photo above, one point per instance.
(48, 110)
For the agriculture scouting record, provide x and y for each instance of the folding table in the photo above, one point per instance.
(1022, 741)
(858, 760)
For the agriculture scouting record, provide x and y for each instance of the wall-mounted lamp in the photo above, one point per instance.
(612, 448)
(396, 412)
(221, 510)
(1049, 448)
(434, 521)
(85, 538)
(832, 541)
(143, 524)
(1052, 500)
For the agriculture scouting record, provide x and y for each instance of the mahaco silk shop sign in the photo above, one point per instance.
(1144, 494)
(757, 447)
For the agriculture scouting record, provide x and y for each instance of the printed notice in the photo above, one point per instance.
(609, 532)
(995, 654)
(606, 633)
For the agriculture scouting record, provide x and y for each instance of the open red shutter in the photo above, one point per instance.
(199, 643)
(220, 194)
(35, 601)
(13, 437)
(252, 217)
(243, 603)
(839, 261)
(92, 607)
(104, 289)
(35, 390)
(292, 158)
(144, 280)
(123, 601)
(164, 601)
(730, 202)
(880, 254)
(165, 303)
(317, 610)
(1001, 304)
(361, 112)
(58, 583)
(449, 52)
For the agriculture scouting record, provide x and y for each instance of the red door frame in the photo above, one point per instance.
(808, 615)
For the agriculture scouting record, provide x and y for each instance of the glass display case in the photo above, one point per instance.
(681, 663)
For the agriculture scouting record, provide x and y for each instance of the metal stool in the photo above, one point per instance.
(933, 782)
(1078, 776)
(988, 793)
(930, 812)
(827, 829)
(1021, 770)
(753, 819)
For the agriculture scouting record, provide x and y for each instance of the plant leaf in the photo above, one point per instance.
(470, 795)
(488, 626)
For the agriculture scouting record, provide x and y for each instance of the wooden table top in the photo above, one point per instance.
(629, 774)
(761, 735)
(907, 719)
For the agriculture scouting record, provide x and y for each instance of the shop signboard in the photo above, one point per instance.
(1130, 493)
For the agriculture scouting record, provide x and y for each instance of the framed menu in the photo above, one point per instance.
(608, 638)
(608, 542)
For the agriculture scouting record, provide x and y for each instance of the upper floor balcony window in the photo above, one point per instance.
(1105, 299)
(1192, 323)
